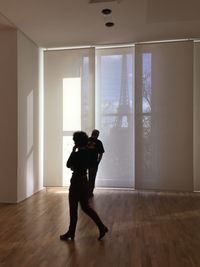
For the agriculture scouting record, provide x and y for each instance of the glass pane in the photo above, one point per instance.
(30, 122)
(67, 149)
(71, 104)
(146, 82)
(146, 110)
(85, 94)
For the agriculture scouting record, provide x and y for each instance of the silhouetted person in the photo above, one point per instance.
(79, 161)
(96, 149)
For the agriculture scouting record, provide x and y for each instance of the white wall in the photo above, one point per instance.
(29, 176)
(8, 116)
(20, 94)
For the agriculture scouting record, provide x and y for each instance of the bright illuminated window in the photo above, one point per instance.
(29, 122)
(146, 112)
(146, 82)
(67, 148)
(71, 104)
(71, 119)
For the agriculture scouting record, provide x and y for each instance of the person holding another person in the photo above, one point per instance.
(96, 150)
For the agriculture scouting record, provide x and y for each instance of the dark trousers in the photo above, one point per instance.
(92, 172)
(79, 193)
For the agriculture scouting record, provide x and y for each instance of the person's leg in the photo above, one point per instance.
(73, 210)
(92, 172)
(93, 215)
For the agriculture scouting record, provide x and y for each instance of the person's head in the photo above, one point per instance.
(95, 134)
(80, 139)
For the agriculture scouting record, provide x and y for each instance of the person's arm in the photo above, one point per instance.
(100, 151)
(99, 157)
(70, 161)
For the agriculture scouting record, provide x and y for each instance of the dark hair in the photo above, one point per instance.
(80, 139)
(95, 132)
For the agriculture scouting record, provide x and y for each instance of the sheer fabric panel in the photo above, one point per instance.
(69, 106)
(196, 116)
(164, 116)
(114, 115)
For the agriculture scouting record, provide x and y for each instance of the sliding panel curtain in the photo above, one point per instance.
(197, 116)
(164, 116)
(114, 115)
(68, 106)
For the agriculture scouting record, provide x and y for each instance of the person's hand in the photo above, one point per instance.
(98, 161)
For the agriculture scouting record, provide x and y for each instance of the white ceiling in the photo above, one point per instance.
(58, 23)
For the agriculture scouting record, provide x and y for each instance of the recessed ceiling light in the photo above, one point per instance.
(106, 11)
(109, 24)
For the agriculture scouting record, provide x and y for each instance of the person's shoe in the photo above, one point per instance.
(102, 232)
(67, 236)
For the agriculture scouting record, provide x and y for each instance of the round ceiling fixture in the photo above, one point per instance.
(109, 24)
(106, 11)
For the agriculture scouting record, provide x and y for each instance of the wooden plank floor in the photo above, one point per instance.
(145, 229)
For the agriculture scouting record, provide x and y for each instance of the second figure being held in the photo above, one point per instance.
(79, 162)
(96, 150)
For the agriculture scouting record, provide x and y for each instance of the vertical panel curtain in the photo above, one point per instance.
(68, 107)
(196, 116)
(141, 100)
(164, 116)
(115, 115)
